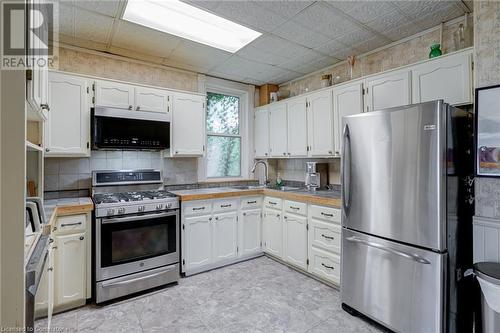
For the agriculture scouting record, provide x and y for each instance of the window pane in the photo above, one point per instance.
(223, 114)
(223, 156)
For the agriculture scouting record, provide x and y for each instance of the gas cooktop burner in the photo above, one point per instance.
(131, 196)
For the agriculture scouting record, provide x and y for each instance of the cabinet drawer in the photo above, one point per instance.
(325, 213)
(325, 265)
(251, 202)
(295, 207)
(225, 205)
(325, 235)
(273, 202)
(197, 208)
(71, 223)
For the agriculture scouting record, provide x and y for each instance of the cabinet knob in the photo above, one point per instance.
(138, 108)
(45, 106)
(217, 218)
(47, 150)
(176, 152)
(210, 219)
(337, 153)
(130, 107)
(266, 154)
(330, 152)
(284, 154)
(50, 269)
(82, 238)
(244, 214)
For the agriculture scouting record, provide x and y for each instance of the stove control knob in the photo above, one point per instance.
(121, 210)
(141, 208)
(169, 205)
(110, 211)
(159, 206)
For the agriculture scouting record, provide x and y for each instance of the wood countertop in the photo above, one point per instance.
(323, 198)
(67, 206)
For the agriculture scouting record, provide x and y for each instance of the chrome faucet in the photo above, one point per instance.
(266, 166)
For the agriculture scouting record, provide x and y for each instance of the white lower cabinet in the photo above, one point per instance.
(225, 236)
(250, 232)
(295, 228)
(70, 270)
(198, 241)
(44, 299)
(325, 265)
(273, 232)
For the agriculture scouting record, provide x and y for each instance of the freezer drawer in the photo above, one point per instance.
(399, 286)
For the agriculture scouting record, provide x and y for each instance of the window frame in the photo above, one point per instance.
(244, 92)
(224, 135)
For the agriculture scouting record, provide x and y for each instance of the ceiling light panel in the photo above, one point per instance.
(186, 21)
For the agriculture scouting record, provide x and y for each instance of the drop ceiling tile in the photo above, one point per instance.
(317, 65)
(388, 21)
(334, 48)
(303, 63)
(203, 4)
(133, 36)
(198, 55)
(278, 46)
(253, 53)
(441, 15)
(355, 37)
(403, 31)
(87, 44)
(285, 8)
(242, 67)
(419, 9)
(363, 11)
(92, 26)
(290, 75)
(299, 34)
(226, 76)
(326, 20)
(66, 16)
(250, 14)
(109, 7)
(135, 54)
(371, 44)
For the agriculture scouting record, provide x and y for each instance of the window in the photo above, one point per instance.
(223, 136)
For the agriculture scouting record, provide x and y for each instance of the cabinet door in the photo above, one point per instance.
(188, 125)
(297, 127)
(225, 236)
(296, 240)
(447, 78)
(149, 99)
(198, 241)
(70, 266)
(320, 124)
(44, 299)
(347, 100)
(51, 284)
(388, 90)
(114, 95)
(261, 133)
(67, 129)
(278, 130)
(273, 232)
(250, 232)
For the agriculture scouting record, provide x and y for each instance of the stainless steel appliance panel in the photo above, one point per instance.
(399, 286)
(394, 174)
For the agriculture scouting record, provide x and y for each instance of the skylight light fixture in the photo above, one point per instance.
(186, 21)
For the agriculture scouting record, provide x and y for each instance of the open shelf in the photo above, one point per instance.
(32, 147)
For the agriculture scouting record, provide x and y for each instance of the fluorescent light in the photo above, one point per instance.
(186, 21)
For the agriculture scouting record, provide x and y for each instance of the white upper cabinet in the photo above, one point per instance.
(150, 99)
(67, 129)
(113, 94)
(261, 133)
(225, 236)
(278, 130)
(347, 100)
(320, 124)
(188, 125)
(448, 78)
(297, 127)
(388, 90)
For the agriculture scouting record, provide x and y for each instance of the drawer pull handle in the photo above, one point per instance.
(251, 202)
(272, 203)
(327, 237)
(70, 224)
(326, 266)
(198, 208)
(296, 208)
(327, 215)
(225, 206)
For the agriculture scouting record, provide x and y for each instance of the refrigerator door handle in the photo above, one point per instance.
(410, 256)
(346, 170)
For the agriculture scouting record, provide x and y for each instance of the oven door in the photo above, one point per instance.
(130, 244)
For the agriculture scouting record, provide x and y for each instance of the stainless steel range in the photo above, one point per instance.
(136, 232)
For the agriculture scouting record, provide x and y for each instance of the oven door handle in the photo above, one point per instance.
(149, 276)
(137, 217)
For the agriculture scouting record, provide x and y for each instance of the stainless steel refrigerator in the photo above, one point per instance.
(407, 206)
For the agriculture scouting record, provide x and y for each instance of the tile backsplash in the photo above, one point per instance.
(294, 169)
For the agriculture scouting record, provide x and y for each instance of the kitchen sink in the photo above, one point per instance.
(287, 188)
(247, 187)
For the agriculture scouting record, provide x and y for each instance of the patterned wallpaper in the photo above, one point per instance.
(487, 72)
(411, 51)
